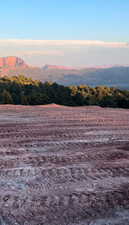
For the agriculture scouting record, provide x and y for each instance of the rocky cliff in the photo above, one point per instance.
(12, 61)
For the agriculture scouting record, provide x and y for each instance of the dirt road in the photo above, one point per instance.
(64, 166)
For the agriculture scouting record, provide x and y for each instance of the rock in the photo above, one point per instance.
(12, 61)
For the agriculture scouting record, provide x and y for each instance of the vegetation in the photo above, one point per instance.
(25, 91)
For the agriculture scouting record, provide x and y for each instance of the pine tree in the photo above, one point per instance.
(7, 97)
(24, 100)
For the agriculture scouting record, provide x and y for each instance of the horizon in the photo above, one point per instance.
(105, 66)
(70, 53)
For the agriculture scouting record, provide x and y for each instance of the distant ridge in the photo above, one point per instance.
(108, 75)
(47, 67)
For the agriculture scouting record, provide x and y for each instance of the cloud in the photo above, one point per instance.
(66, 52)
(45, 43)
(42, 53)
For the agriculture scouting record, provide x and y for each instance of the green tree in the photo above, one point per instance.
(24, 100)
(7, 97)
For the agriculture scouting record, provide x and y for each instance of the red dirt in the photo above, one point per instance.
(64, 165)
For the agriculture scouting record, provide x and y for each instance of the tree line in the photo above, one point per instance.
(26, 91)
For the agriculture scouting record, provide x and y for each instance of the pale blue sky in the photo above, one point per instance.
(65, 19)
(101, 20)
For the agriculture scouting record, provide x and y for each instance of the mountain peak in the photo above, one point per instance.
(12, 61)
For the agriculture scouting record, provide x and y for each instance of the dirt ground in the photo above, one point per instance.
(64, 165)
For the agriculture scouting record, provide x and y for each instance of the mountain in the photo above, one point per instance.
(11, 61)
(117, 76)
(47, 67)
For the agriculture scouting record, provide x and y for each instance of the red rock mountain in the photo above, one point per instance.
(11, 61)
(116, 76)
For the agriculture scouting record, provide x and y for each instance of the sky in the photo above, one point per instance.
(77, 32)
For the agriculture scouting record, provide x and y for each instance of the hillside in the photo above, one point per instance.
(26, 91)
(117, 76)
